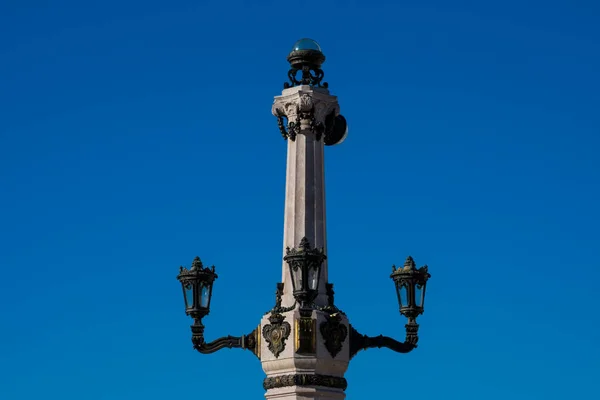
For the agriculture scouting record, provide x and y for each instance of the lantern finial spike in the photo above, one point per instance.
(409, 263)
(196, 264)
(304, 243)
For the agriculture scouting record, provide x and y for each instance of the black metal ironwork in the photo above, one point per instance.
(305, 270)
(334, 334)
(292, 129)
(276, 382)
(309, 76)
(278, 308)
(410, 287)
(362, 342)
(335, 129)
(308, 63)
(197, 283)
(305, 267)
(247, 342)
(276, 333)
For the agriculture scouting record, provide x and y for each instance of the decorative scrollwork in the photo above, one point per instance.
(293, 127)
(247, 342)
(280, 116)
(317, 127)
(412, 330)
(278, 309)
(334, 334)
(280, 381)
(310, 76)
(360, 342)
(330, 308)
(276, 333)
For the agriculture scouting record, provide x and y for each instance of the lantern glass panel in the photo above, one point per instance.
(313, 278)
(297, 278)
(419, 295)
(403, 294)
(189, 295)
(204, 296)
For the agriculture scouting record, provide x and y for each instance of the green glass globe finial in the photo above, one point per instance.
(306, 44)
(306, 57)
(306, 53)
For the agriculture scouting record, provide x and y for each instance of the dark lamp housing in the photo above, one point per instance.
(305, 270)
(410, 287)
(197, 284)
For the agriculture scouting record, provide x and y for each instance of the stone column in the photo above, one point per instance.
(304, 214)
(304, 355)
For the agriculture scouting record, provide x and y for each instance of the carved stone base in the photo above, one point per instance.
(305, 368)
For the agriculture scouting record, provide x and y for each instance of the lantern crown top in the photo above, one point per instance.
(409, 264)
(304, 244)
(304, 249)
(196, 264)
(410, 270)
(197, 269)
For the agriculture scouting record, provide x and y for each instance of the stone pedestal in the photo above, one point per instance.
(299, 364)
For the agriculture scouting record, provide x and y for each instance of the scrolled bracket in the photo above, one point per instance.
(310, 76)
(360, 342)
(247, 342)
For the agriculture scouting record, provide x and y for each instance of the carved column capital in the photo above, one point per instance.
(306, 110)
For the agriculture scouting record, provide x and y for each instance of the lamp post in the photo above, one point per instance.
(305, 342)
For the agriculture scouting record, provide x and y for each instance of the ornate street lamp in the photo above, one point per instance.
(305, 270)
(305, 342)
(197, 283)
(410, 287)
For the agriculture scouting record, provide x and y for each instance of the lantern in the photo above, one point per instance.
(305, 271)
(410, 287)
(197, 284)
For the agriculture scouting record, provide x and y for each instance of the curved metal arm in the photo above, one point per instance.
(246, 342)
(360, 342)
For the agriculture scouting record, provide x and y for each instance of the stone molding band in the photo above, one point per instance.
(305, 380)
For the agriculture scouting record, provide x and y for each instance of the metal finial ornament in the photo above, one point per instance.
(306, 57)
(197, 264)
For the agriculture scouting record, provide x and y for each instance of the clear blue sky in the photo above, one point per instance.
(135, 135)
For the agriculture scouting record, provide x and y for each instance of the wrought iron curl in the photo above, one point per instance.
(360, 342)
(278, 309)
(246, 342)
(310, 76)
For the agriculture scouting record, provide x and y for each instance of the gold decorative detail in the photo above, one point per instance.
(306, 335)
(258, 341)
